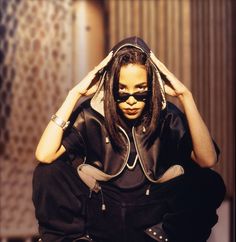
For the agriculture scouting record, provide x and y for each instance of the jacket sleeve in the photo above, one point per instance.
(176, 142)
(73, 138)
(73, 141)
(185, 145)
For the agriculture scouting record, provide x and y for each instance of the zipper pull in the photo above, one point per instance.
(90, 193)
(148, 190)
(144, 129)
(103, 207)
(103, 203)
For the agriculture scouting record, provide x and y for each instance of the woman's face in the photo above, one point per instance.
(132, 91)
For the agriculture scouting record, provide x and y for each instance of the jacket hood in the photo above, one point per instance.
(98, 99)
(134, 42)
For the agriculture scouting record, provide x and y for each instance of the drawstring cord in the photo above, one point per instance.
(90, 193)
(148, 190)
(103, 203)
(102, 197)
(103, 207)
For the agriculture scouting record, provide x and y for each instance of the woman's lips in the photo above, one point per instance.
(132, 111)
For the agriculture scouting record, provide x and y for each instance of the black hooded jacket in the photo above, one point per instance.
(89, 141)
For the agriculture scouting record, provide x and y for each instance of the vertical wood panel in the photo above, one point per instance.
(122, 19)
(168, 39)
(230, 90)
(128, 18)
(186, 44)
(212, 79)
(205, 62)
(224, 83)
(145, 20)
(176, 37)
(211, 61)
(152, 24)
(160, 30)
(112, 22)
(230, 94)
(136, 7)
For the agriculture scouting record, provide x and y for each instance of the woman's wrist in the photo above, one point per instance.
(185, 96)
(186, 99)
(75, 94)
(68, 105)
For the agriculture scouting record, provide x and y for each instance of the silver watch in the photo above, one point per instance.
(59, 121)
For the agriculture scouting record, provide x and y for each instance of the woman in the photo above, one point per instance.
(126, 165)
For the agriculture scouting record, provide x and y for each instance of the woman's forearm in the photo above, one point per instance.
(203, 148)
(49, 146)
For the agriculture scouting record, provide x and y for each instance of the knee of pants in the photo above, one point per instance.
(207, 188)
(203, 188)
(55, 172)
(46, 176)
(56, 179)
(57, 191)
(45, 173)
(211, 187)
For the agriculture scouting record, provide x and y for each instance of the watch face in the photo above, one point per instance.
(60, 122)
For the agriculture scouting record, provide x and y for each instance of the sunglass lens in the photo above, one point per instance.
(139, 96)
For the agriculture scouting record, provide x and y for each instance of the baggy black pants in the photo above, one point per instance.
(186, 206)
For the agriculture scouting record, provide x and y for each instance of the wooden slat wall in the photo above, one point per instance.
(193, 38)
(212, 76)
(164, 25)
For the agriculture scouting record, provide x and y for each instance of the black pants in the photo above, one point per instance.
(186, 206)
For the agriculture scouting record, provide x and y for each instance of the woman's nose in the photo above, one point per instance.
(131, 100)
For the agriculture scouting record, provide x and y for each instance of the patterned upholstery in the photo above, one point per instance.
(35, 74)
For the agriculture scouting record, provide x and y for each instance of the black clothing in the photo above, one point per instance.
(185, 205)
(59, 198)
(171, 145)
(130, 178)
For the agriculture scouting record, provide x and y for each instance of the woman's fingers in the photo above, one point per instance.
(170, 91)
(98, 68)
(103, 63)
(161, 67)
(88, 85)
(173, 86)
(92, 90)
(159, 64)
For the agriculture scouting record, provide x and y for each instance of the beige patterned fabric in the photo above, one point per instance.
(35, 74)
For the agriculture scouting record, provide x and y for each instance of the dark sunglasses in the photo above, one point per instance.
(139, 96)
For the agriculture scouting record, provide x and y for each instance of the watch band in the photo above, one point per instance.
(59, 121)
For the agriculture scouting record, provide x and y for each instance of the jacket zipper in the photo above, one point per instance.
(140, 160)
(127, 158)
(128, 153)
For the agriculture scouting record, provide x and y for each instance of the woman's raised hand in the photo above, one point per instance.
(173, 87)
(88, 85)
(203, 151)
